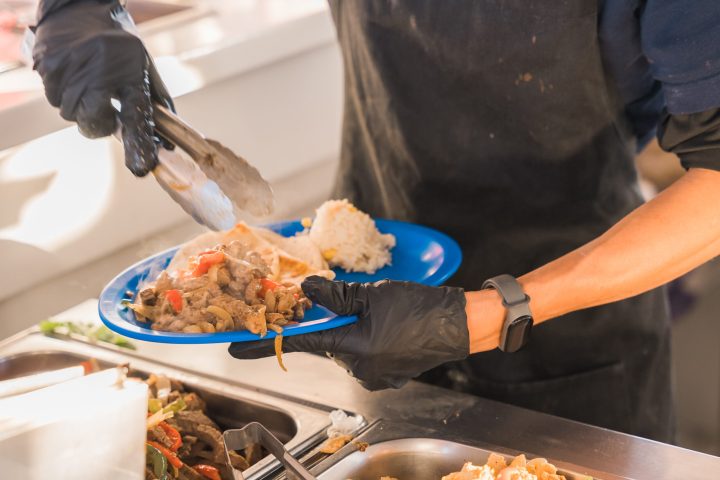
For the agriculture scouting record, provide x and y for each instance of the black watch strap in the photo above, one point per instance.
(518, 317)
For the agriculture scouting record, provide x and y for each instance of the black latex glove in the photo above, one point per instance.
(85, 58)
(403, 330)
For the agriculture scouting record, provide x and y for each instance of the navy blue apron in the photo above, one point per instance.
(494, 121)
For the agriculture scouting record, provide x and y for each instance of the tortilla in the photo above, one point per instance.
(290, 259)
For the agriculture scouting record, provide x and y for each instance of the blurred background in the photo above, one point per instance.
(263, 77)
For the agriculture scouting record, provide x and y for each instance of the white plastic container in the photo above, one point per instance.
(88, 428)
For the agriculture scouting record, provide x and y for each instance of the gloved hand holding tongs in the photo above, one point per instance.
(87, 53)
(85, 59)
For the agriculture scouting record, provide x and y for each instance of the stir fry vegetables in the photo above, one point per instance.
(226, 288)
(174, 297)
(183, 443)
(206, 260)
(208, 471)
(171, 457)
(172, 434)
(157, 460)
(156, 418)
(278, 350)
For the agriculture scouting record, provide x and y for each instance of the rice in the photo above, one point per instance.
(348, 238)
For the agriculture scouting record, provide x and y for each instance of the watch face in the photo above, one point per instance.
(518, 333)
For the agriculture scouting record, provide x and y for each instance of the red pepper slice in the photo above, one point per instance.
(208, 471)
(207, 260)
(171, 457)
(172, 434)
(267, 284)
(175, 299)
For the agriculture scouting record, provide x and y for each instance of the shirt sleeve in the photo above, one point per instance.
(694, 137)
(681, 40)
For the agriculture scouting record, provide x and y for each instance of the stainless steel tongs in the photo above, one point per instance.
(254, 433)
(232, 180)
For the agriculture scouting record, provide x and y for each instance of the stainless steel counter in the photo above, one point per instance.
(420, 410)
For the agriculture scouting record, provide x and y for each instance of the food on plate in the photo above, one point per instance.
(223, 288)
(248, 278)
(348, 238)
(496, 468)
(288, 259)
(278, 350)
(182, 441)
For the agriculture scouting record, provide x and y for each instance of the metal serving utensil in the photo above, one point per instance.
(254, 433)
(204, 177)
(238, 180)
(189, 187)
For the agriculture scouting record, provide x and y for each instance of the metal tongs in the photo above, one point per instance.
(254, 433)
(215, 181)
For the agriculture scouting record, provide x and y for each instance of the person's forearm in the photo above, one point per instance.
(659, 241)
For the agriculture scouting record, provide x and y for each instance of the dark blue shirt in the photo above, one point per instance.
(664, 54)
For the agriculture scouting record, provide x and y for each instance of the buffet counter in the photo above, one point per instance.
(418, 417)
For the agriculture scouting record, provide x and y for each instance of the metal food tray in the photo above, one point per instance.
(406, 452)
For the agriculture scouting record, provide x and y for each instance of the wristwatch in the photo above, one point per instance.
(518, 318)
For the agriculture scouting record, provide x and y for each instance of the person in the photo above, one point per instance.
(511, 126)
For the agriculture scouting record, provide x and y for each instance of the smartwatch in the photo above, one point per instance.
(518, 318)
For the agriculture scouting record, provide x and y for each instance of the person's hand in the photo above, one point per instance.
(403, 330)
(86, 58)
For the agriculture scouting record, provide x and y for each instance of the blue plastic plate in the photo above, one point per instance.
(421, 255)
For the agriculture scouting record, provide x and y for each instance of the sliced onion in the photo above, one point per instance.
(162, 384)
(221, 313)
(278, 351)
(213, 273)
(142, 311)
(157, 417)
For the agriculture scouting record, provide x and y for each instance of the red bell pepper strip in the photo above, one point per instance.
(207, 260)
(172, 434)
(208, 471)
(175, 299)
(172, 458)
(267, 284)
